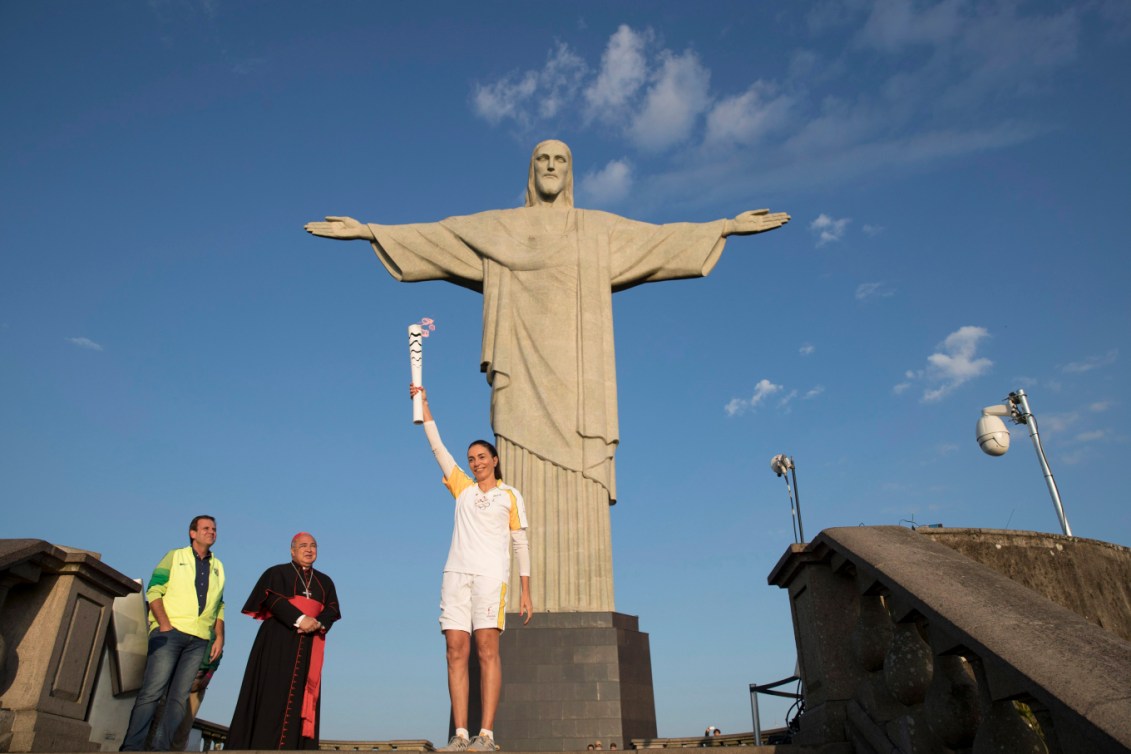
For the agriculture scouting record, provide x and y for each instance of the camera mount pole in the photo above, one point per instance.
(1025, 416)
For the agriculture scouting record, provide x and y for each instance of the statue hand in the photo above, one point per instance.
(340, 228)
(755, 221)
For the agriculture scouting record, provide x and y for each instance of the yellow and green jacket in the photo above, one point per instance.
(174, 583)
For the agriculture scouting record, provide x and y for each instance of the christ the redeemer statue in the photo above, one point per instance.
(547, 272)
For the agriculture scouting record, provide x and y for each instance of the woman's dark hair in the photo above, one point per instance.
(494, 454)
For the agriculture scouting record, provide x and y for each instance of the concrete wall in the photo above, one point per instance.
(1089, 577)
(909, 645)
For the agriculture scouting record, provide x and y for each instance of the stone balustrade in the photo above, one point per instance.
(907, 645)
(701, 742)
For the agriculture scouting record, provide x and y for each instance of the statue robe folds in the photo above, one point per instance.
(547, 277)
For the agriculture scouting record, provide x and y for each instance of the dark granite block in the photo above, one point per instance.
(603, 672)
(591, 654)
(572, 678)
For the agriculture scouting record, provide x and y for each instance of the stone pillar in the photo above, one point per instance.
(822, 603)
(572, 678)
(54, 618)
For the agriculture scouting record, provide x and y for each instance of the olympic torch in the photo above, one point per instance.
(417, 332)
(416, 363)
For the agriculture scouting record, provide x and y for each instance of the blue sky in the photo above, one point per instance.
(173, 343)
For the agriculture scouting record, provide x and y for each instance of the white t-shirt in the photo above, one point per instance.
(481, 536)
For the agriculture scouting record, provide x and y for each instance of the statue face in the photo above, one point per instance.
(551, 167)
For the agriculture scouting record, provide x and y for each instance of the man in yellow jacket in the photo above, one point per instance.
(186, 608)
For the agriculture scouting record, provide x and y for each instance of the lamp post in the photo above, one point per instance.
(783, 466)
(993, 437)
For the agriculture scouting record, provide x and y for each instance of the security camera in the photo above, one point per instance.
(993, 436)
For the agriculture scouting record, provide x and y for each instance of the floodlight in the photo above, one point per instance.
(780, 465)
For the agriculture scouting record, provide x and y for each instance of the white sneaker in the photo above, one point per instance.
(482, 743)
(458, 743)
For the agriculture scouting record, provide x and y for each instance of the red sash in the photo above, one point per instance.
(313, 608)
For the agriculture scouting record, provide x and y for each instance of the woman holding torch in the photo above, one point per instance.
(490, 520)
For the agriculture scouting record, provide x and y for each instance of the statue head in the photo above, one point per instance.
(551, 175)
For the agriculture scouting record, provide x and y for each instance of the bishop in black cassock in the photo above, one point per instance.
(278, 706)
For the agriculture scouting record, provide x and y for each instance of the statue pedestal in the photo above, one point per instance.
(570, 679)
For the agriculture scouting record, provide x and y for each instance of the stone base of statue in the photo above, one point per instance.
(570, 679)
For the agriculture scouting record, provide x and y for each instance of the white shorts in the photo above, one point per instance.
(469, 603)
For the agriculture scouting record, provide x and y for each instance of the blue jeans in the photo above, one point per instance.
(172, 662)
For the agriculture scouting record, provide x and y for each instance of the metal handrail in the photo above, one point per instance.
(768, 689)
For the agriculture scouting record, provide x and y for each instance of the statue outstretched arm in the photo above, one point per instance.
(754, 221)
(340, 228)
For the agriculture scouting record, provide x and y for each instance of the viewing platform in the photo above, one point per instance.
(975, 640)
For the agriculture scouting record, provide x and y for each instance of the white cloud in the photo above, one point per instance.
(86, 343)
(1058, 423)
(1078, 447)
(1073, 457)
(656, 97)
(734, 406)
(814, 392)
(806, 349)
(1092, 362)
(505, 98)
(552, 88)
(829, 229)
(1099, 406)
(953, 365)
(896, 24)
(872, 230)
(945, 80)
(745, 119)
(1004, 50)
(762, 390)
(1093, 435)
(624, 70)
(969, 52)
(561, 79)
(679, 94)
(866, 291)
(956, 364)
(1116, 15)
(608, 185)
